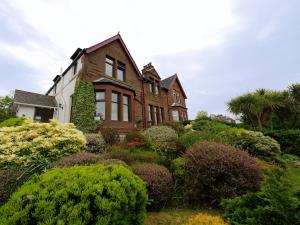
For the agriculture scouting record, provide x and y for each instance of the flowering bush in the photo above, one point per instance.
(136, 140)
(206, 219)
(95, 143)
(31, 141)
(216, 171)
(158, 180)
(162, 138)
(96, 194)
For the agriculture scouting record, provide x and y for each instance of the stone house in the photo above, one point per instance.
(126, 98)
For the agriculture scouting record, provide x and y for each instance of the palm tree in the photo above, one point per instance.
(257, 107)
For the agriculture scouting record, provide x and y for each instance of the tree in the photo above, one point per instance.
(5, 107)
(256, 108)
(202, 115)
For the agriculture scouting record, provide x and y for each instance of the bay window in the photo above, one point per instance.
(114, 106)
(100, 105)
(175, 115)
(125, 108)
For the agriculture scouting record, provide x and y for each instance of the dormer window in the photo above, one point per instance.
(156, 88)
(176, 97)
(109, 66)
(121, 71)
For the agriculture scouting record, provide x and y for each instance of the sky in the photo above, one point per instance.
(219, 48)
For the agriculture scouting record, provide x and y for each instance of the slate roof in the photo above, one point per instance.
(25, 97)
(168, 81)
(109, 81)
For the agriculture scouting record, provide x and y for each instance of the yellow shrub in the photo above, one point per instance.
(206, 219)
(32, 140)
(265, 166)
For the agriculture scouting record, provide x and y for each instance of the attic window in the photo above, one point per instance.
(121, 71)
(109, 65)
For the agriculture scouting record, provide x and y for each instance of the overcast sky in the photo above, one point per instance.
(219, 48)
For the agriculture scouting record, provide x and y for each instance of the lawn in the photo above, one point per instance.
(173, 216)
(294, 176)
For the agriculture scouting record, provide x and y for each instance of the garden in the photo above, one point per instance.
(204, 171)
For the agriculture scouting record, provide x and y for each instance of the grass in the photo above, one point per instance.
(173, 216)
(294, 176)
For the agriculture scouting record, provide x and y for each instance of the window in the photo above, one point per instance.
(156, 88)
(114, 106)
(109, 66)
(100, 105)
(75, 68)
(150, 86)
(155, 115)
(150, 111)
(175, 115)
(121, 71)
(125, 108)
(162, 114)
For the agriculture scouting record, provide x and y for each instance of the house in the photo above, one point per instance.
(126, 98)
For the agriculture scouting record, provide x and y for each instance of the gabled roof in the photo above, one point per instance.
(105, 80)
(110, 40)
(169, 81)
(34, 99)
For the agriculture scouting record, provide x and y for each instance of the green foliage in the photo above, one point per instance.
(5, 107)
(12, 122)
(216, 171)
(95, 143)
(189, 138)
(84, 107)
(79, 159)
(208, 124)
(110, 135)
(136, 140)
(163, 140)
(98, 194)
(177, 126)
(158, 181)
(289, 140)
(179, 171)
(255, 143)
(275, 204)
(132, 155)
(34, 144)
(257, 107)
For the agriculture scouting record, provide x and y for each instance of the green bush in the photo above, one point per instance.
(95, 143)
(33, 142)
(145, 156)
(81, 158)
(275, 204)
(289, 140)
(110, 135)
(12, 122)
(189, 138)
(179, 171)
(163, 140)
(208, 124)
(158, 180)
(136, 140)
(216, 171)
(120, 153)
(98, 194)
(256, 144)
(177, 126)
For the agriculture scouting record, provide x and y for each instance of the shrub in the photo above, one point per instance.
(95, 194)
(289, 140)
(208, 124)
(145, 156)
(179, 171)
(265, 166)
(216, 171)
(177, 126)
(188, 139)
(162, 138)
(12, 122)
(206, 219)
(120, 154)
(158, 180)
(110, 135)
(81, 158)
(275, 204)
(34, 141)
(136, 140)
(10, 179)
(95, 143)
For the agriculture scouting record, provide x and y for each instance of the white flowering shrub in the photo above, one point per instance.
(161, 138)
(24, 144)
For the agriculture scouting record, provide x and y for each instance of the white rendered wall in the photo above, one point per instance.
(64, 90)
(25, 111)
